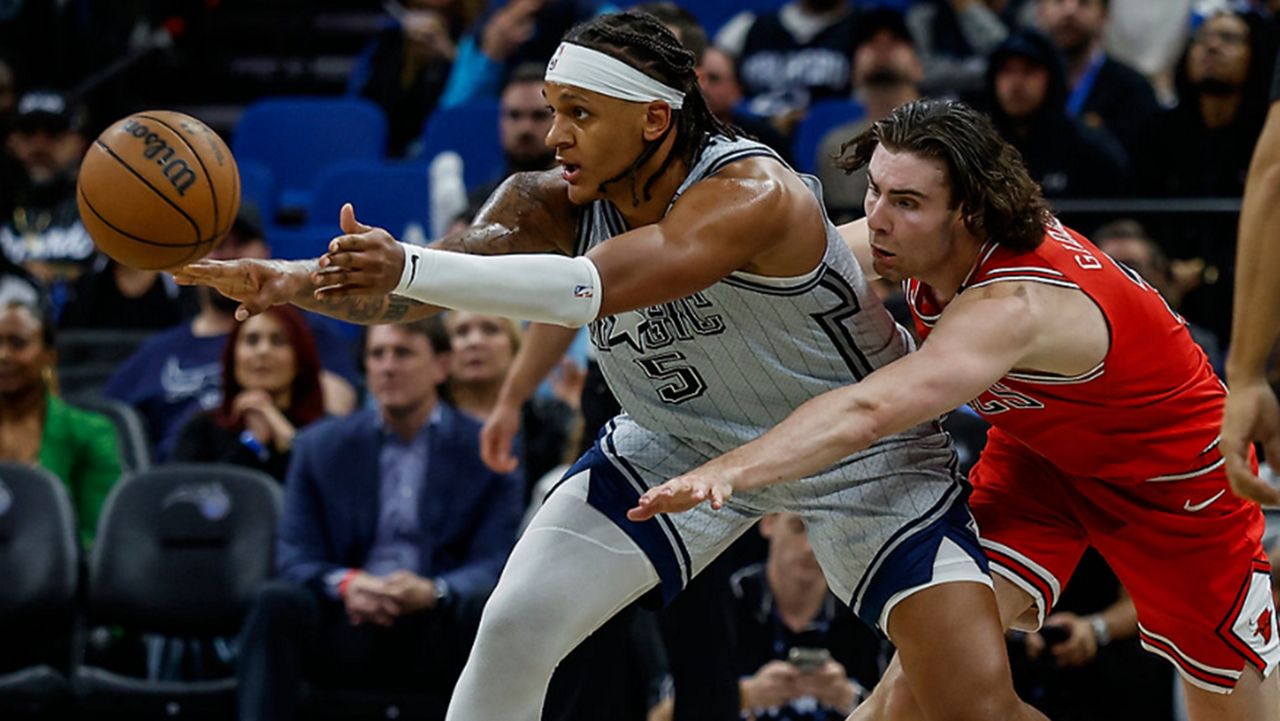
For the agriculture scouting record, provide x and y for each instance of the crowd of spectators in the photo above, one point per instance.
(393, 531)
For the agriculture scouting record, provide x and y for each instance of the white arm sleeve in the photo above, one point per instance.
(540, 287)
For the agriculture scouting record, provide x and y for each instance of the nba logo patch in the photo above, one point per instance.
(551, 64)
(583, 291)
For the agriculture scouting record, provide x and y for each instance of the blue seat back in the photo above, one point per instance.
(822, 118)
(388, 195)
(295, 138)
(257, 188)
(471, 131)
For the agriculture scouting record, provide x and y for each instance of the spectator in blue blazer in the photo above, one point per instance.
(394, 532)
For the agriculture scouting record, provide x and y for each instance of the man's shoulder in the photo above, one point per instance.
(547, 186)
(765, 28)
(1125, 78)
(327, 432)
(459, 430)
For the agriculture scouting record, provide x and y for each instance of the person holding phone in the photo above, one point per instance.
(801, 654)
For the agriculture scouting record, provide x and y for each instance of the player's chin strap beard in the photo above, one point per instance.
(650, 149)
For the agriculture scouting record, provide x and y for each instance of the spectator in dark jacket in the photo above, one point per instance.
(1027, 92)
(404, 70)
(1102, 91)
(394, 533)
(1202, 147)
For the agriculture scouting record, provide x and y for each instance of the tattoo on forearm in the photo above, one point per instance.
(397, 307)
(364, 310)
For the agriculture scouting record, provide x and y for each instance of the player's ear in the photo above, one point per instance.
(658, 116)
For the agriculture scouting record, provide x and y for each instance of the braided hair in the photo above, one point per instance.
(643, 42)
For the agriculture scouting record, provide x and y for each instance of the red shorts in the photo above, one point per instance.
(1189, 552)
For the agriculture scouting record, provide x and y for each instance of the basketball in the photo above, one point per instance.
(158, 190)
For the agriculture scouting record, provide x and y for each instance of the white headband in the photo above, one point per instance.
(595, 71)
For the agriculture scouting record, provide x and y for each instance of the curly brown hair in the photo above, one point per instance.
(989, 183)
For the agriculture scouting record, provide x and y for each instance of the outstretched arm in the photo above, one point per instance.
(1252, 413)
(754, 216)
(981, 336)
(528, 213)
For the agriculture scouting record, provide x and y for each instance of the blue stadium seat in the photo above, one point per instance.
(297, 137)
(389, 195)
(385, 194)
(821, 119)
(308, 241)
(471, 131)
(257, 188)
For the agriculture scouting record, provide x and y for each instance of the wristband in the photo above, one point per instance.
(346, 581)
(1101, 632)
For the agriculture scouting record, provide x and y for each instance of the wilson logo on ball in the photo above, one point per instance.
(179, 174)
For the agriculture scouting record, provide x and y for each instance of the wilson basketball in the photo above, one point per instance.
(158, 190)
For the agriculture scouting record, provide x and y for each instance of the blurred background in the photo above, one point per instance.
(147, 441)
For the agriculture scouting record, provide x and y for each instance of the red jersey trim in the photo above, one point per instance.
(913, 295)
(984, 254)
(1052, 380)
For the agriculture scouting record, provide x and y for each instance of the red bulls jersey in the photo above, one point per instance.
(1149, 411)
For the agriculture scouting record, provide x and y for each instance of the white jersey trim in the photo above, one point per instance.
(913, 295)
(984, 254)
(1045, 379)
(1190, 661)
(942, 507)
(950, 565)
(1026, 269)
(779, 282)
(1189, 474)
(1026, 278)
(608, 446)
(1178, 657)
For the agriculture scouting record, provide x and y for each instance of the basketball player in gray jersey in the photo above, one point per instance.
(720, 298)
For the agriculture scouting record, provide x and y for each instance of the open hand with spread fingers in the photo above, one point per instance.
(257, 284)
(680, 494)
(363, 261)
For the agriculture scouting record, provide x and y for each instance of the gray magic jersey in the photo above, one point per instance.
(699, 376)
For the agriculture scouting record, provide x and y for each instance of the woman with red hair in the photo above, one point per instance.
(271, 389)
